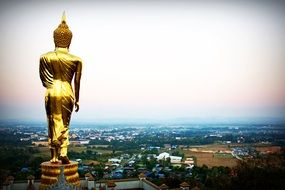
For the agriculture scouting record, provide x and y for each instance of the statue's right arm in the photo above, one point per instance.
(45, 72)
(77, 83)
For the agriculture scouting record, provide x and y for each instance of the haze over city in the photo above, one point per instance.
(150, 59)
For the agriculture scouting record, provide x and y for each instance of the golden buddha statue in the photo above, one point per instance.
(57, 69)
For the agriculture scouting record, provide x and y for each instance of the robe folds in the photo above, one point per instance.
(57, 70)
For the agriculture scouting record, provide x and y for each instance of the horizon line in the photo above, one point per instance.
(177, 120)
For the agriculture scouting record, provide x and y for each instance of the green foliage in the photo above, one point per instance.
(148, 163)
(13, 159)
(152, 151)
(267, 172)
(178, 153)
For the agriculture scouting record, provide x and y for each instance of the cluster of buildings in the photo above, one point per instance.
(81, 137)
(242, 152)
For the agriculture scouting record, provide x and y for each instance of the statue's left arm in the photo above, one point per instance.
(77, 84)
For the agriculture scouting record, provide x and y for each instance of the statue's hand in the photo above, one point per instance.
(76, 106)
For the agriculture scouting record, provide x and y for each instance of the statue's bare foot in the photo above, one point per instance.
(64, 160)
(54, 161)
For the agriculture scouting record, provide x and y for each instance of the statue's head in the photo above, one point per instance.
(62, 35)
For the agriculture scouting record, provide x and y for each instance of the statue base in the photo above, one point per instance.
(59, 176)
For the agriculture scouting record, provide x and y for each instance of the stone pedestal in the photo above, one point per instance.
(59, 176)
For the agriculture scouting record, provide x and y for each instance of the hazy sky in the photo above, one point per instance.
(150, 59)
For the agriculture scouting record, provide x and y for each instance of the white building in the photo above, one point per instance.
(189, 161)
(173, 159)
(163, 156)
(114, 160)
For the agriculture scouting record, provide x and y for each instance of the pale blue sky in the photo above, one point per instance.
(150, 59)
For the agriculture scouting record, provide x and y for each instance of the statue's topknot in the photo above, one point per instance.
(62, 35)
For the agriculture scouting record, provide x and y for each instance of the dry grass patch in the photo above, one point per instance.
(211, 160)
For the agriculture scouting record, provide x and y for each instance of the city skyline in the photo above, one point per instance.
(150, 59)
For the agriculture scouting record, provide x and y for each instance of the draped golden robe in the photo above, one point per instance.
(56, 72)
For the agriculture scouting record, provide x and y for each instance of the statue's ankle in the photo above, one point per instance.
(64, 160)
